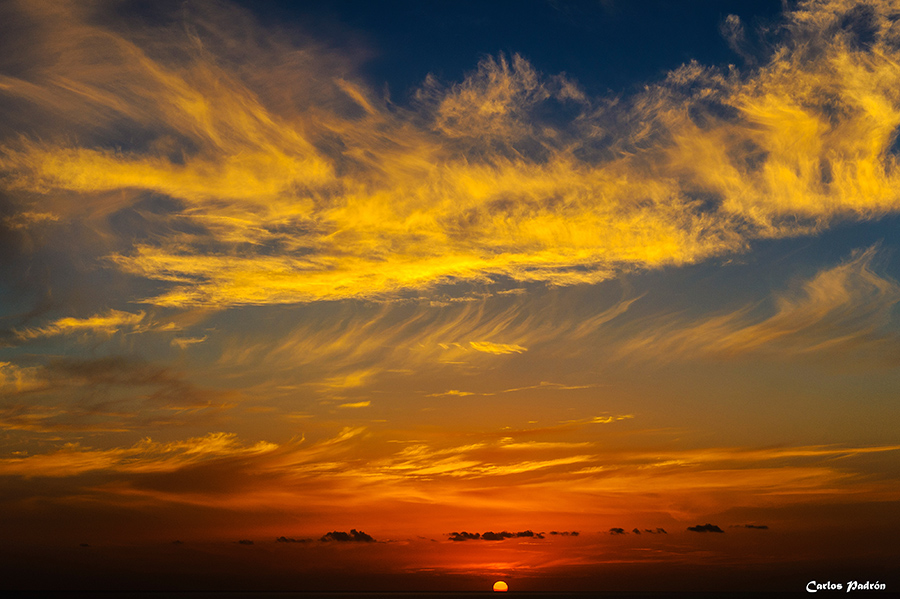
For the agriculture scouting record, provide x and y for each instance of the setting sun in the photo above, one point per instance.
(500, 587)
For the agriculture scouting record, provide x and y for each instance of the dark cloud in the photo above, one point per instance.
(110, 393)
(705, 528)
(245, 542)
(111, 370)
(352, 536)
(753, 526)
(163, 386)
(637, 531)
(500, 536)
(564, 533)
(464, 536)
(494, 536)
(291, 540)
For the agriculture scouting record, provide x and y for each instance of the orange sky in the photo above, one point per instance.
(249, 293)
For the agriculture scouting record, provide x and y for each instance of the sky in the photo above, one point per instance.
(423, 295)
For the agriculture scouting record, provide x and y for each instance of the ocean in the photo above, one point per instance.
(397, 595)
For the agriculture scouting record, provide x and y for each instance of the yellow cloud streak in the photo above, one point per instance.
(246, 175)
(185, 342)
(844, 306)
(497, 348)
(475, 224)
(358, 404)
(145, 456)
(109, 323)
(394, 206)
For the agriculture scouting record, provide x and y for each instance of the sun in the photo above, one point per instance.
(500, 587)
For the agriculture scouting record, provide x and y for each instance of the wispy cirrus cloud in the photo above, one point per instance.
(145, 456)
(484, 475)
(354, 345)
(185, 342)
(356, 404)
(497, 348)
(543, 386)
(298, 196)
(107, 324)
(841, 308)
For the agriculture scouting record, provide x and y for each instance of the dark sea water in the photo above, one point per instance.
(401, 595)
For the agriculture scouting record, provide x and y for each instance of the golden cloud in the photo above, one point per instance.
(109, 323)
(144, 456)
(496, 348)
(357, 404)
(340, 195)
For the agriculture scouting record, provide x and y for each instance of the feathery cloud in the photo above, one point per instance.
(840, 309)
(145, 456)
(336, 196)
(107, 324)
